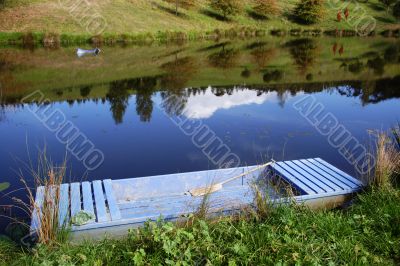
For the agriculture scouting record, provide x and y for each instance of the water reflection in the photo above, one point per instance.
(262, 54)
(281, 66)
(205, 105)
(225, 58)
(177, 73)
(304, 52)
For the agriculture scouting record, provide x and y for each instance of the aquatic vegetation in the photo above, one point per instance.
(4, 186)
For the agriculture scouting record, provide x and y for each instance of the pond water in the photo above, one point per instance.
(127, 101)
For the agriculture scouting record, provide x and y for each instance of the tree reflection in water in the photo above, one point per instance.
(225, 58)
(144, 92)
(304, 53)
(173, 83)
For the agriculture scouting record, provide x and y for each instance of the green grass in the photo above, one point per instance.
(138, 17)
(366, 233)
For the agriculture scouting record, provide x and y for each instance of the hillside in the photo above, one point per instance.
(143, 16)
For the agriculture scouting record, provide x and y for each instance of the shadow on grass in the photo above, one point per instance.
(385, 19)
(214, 15)
(170, 11)
(376, 6)
(256, 16)
(292, 18)
(370, 54)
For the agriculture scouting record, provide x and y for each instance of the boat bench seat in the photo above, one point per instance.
(315, 176)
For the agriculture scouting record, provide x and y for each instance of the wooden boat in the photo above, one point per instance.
(81, 52)
(126, 203)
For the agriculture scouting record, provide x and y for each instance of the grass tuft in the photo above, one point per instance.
(48, 176)
(396, 135)
(387, 161)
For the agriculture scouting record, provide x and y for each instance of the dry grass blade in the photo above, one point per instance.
(387, 161)
(396, 135)
(47, 179)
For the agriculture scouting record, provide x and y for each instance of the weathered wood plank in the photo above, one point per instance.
(99, 201)
(87, 197)
(112, 203)
(76, 205)
(63, 209)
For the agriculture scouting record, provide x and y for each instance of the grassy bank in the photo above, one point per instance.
(141, 20)
(366, 233)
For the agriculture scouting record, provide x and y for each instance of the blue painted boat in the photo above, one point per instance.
(81, 52)
(126, 203)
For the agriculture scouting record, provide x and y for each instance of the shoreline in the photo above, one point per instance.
(51, 40)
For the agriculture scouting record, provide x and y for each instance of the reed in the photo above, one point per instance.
(263, 204)
(50, 176)
(387, 161)
(396, 134)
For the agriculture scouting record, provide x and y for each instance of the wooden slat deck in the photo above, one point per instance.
(87, 196)
(315, 176)
(133, 201)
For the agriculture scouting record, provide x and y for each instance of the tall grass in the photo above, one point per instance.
(48, 177)
(387, 161)
(396, 134)
(7, 248)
